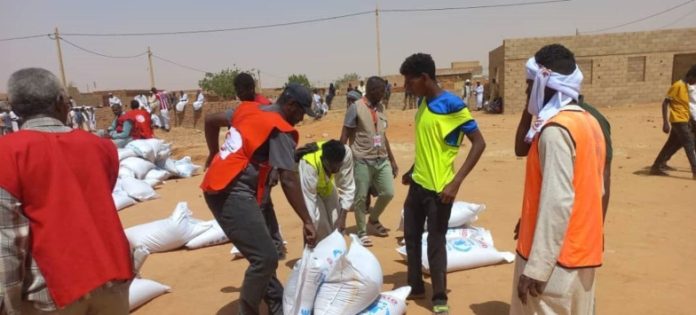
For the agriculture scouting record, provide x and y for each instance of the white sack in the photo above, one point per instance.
(138, 189)
(158, 174)
(142, 290)
(353, 285)
(167, 234)
(463, 213)
(139, 166)
(146, 148)
(389, 303)
(124, 153)
(121, 200)
(474, 251)
(140, 254)
(124, 172)
(309, 273)
(213, 236)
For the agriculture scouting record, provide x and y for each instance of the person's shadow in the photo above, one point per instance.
(490, 308)
(233, 308)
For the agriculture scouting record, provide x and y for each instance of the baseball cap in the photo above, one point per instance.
(301, 95)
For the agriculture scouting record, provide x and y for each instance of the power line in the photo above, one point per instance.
(330, 18)
(97, 53)
(484, 6)
(643, 18)
(178, 64)
(23, 37)
(225, 29)
(678, 19)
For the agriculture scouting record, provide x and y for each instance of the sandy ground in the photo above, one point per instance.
(649, 230)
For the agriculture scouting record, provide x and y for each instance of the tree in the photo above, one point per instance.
(348, 77)
(299, 79)
(222, 83)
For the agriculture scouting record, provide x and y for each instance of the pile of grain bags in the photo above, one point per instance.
(144, 164)
(158, 236)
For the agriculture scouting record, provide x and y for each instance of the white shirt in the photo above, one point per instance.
(114, 101)
(200, 98)
(184, 98)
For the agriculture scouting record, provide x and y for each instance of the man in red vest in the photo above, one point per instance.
(142, 124)
(259, 139)
(63, 248)
(560, 234)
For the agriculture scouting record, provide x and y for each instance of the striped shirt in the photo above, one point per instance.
(163, 100)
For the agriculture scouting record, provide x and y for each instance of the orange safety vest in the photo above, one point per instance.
(583, 245)
(250, 128)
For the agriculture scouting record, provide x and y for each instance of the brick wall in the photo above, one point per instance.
(620, 68)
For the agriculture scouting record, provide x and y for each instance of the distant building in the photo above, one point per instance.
(619, 68)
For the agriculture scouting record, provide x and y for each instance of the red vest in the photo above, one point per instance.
(64, 182)
(583, 244)
(251, 127)
(142, 124)
(122, 120)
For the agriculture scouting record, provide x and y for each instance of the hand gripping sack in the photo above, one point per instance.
(142, 290)
(213, 236)
(309, 273)
(167, 234)
(389, 303)
(353, 285)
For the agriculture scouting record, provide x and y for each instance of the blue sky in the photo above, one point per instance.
(324, 51)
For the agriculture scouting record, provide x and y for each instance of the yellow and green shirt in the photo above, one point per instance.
(441, 124)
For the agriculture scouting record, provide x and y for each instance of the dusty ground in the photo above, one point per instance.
(650, 248)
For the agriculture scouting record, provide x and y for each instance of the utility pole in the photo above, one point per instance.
(152, 71)
(258, 73)
(60, 58)
(379, 50)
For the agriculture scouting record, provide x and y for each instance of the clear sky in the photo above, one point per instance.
(323, 51)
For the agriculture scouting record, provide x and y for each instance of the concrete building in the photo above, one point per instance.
(619, 68)
(451, 78)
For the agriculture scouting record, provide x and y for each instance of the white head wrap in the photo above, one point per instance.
(567, 87)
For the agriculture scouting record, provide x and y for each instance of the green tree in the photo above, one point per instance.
(348, 77)
(299, 79)
(221, 83)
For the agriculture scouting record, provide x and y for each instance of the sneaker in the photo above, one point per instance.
(441, 310)
(657, 171)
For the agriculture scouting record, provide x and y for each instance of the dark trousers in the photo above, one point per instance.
(421, 204)
(273, 227)
(244, 224)
(681, 136)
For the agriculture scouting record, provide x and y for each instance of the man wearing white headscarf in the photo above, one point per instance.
(560, 233)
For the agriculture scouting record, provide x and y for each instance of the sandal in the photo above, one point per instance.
(365, 241)
(440, 310)
(379, 229)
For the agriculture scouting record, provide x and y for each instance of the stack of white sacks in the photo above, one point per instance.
(467, 246)
(145, 164)
(178, 230)
(332, 279)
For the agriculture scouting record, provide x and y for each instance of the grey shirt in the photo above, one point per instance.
(278, 151)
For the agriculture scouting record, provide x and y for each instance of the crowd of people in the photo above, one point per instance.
(86, 268)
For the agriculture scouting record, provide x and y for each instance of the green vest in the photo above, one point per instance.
(324, 183)
(434, 165)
